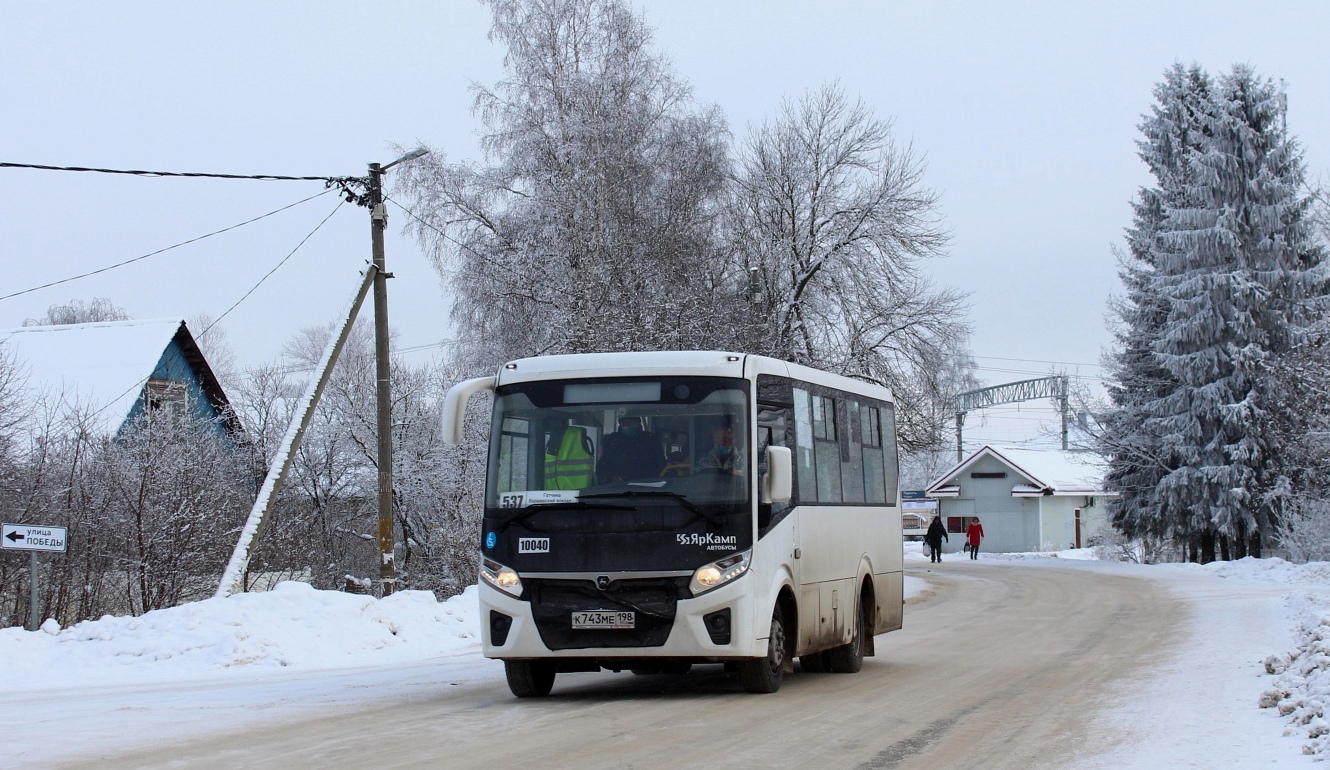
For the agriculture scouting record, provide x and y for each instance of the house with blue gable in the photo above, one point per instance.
(1026, 499)
(116, 371)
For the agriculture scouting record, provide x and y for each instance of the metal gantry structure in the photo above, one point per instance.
(1026, 390)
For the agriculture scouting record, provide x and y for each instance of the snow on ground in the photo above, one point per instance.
(293, 626)
(1259, 636)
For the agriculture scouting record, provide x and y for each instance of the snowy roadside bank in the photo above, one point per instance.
(291, 627)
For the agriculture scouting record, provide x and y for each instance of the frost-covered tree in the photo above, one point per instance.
(1302, 379)
(594, 229)
(1226, 282)
(174, 489)
(1302, 385)
(832, 220)
(78, 312)
(212, 340)
(150, 512)
(324, 525)
(1137, 456)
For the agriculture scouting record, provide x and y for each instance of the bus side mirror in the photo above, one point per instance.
(779, 481)
(454, 406)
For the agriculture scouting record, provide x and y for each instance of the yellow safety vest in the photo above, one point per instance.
(572, 466)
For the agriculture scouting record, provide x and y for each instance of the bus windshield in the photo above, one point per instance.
(632, 473)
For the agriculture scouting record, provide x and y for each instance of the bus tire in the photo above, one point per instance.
(763, 675)
(529, 678)
(849, 658)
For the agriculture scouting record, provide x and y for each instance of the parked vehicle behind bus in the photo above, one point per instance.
(651, 511)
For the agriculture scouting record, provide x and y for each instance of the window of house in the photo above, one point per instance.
(167, 395)
(958, 524)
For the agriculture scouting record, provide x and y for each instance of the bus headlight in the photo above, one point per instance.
(503, 578)
(718, 573)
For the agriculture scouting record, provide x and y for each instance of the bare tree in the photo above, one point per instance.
(77, 312)
(149, 513)
(324, 525)
(832, 220)
(174, 488)
(211, 339)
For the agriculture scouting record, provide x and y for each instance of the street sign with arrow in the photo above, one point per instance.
(26, 537)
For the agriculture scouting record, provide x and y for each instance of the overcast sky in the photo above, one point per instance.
(1025, 111)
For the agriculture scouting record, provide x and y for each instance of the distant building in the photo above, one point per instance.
(1026, 499)
(917, 510)
(117, 370)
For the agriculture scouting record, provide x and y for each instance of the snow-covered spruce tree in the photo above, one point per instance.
(594, 229)
(1303, 381)
(1233, 264)
(831, 217)
(1138, 457)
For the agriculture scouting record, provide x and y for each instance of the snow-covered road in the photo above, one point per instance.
(1155, 666)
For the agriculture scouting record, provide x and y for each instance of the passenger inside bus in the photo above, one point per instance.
(724, 456)
(630, 453)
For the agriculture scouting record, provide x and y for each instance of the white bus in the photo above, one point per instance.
(621, 533)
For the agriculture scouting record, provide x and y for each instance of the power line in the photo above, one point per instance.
(275, 267)
(1039, 361)
(1031, 371)
(431, 226)
(161, 251)
(141, 382)
(196, 174)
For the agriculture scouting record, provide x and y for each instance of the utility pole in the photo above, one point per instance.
(378, 220)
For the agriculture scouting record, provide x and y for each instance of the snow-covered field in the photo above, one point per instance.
(1259, 636)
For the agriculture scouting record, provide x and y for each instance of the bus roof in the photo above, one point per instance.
(710, 363)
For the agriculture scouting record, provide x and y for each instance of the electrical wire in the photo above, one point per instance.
(162, 251)
(196, 174)
(1039, 361)
(283, 261)
(265, 277)
(431, 226)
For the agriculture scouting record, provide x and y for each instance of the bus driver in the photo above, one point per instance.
(630, 453)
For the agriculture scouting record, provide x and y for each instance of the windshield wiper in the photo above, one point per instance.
(684, 501)
(522, 513)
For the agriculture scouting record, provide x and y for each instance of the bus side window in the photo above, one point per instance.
(771, 431)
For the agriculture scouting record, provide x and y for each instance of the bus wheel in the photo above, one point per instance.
(529, 678)
(764, 674)
(849, 658)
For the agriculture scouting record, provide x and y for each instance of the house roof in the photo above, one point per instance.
(101, 366)
(1044, 472)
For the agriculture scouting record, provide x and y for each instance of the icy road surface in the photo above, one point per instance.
(999, 666)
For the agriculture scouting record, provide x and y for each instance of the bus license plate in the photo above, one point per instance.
(604, 619)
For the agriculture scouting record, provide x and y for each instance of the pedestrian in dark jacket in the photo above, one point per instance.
(973, 535)
(936, 534)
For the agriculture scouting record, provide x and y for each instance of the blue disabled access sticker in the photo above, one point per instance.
(491, 539)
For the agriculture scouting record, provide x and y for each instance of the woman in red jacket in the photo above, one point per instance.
(973, 534)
